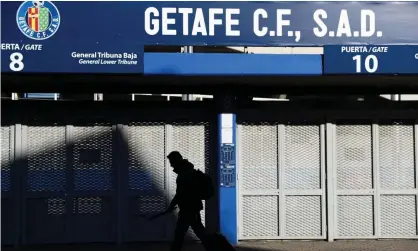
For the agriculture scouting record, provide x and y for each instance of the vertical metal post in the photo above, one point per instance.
(22, 155)
(416, 170)
(334, 179)
(123, 187)
(227, 181)
(323, 179)
(331, 189)
(14, 187)
(69, 175)
(280, 165)
(169, 193)
(187, 97)
(118, 170)
(16, 174)
(376, 178)
(240, 221)
(398, 142)
(15, 96)
(227, 167)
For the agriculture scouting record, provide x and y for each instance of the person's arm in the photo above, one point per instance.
(175, 200)
(173, 204)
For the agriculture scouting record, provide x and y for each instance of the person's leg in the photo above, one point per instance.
(181, 228)
(199, 229)
(197, 226)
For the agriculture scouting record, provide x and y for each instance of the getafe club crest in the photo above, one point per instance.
(38, 20)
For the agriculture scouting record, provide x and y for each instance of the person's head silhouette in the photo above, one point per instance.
(176, 161)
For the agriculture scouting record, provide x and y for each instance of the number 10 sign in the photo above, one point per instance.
(371, 59)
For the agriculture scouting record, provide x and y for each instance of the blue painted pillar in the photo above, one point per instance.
(227, 173)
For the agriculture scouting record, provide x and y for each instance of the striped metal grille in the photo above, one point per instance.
(281, 189)
(376, 175)
(6, 149)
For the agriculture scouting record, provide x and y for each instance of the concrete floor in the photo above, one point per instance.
(369, 245)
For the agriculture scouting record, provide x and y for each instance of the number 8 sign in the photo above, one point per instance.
(16, 61)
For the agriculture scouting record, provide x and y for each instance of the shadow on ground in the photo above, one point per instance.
(124, 247)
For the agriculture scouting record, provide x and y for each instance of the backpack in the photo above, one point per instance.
(205, 185)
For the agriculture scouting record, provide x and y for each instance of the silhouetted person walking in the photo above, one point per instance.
(193, 186)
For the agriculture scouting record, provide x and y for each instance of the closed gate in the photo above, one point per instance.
(374, 192)
(69, 192)
(8, 202)
(152, 183)
(336, 178)
(281, 180)
(97, 178)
